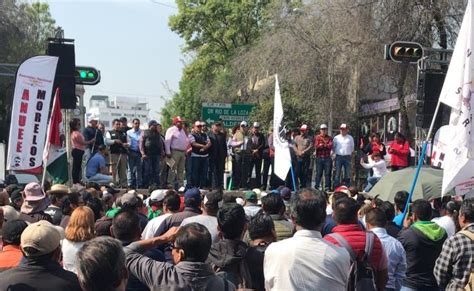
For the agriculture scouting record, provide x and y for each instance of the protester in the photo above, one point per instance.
(449, 215)
(171, 204)
(93, 137)
(273, 205)
(230, 256)
(155, 203)
(399, 151)
(116, 139)
(376, 222)
(302, 147)
(392, 229)
(190, 272)
(131, 202)
(379, 167)
(329, 224)
(10, 254)
(296, 263)
(343, 148)
(217, 155)
(209, 206)
(57, 194)
(34, 204)
(400, 200)
(151, 148)
(96, 169)
(124, 122)
(262, 233)
(72, 201)
(101, 265)
(95, 204)
(241, 157)
(16, 199)
(251, 207)
(135, 173)
(256, 144)
(375, 146)
(176, 144)
(349, 232)
(79, 144)
(422, 240)
(79, 230)
(455, 264)
(40, 270)
(200, 144)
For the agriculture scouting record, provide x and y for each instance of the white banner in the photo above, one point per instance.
(31, 101)
(458, 92)
(282, 150)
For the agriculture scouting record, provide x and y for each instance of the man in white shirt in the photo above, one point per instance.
(171, 205)
(306, 261)
(343, 146)
(209, 206)
(378, 165)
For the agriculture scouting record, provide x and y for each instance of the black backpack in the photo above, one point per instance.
(361, 276)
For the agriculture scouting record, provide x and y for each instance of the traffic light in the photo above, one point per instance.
(405, 52)
(87, 76)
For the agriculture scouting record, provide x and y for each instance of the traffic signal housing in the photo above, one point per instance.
(87, 75)
(405, 52)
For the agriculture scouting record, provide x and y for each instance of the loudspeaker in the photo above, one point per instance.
(429, 87)
(65, 71)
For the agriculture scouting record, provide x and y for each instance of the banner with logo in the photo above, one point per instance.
(282, 150)
(31, 101)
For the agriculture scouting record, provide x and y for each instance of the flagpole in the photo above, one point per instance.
(293, 177)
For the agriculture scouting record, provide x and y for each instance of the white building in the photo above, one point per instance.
(109, 108)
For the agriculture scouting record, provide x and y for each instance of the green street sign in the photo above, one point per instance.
(230, 114)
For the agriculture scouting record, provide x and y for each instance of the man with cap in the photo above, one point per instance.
(176, 144)
(135, 165)
(96, 169)
(200, 144)
(57, 194)
(256, 144)
(116, 139)
(155, 203)
(251, 207)
(11, 255)
(302, 146)
(40, 244)
(343, 148)
(217, 155)
(322, 150)
(171, 203)
(209, 206)
(91, 132)
(35, 203)
(151, 148)
(239, 149)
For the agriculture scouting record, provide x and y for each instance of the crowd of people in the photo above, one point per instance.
(195, 156)
(101, 238)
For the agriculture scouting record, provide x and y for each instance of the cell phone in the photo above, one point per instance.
(409, 211)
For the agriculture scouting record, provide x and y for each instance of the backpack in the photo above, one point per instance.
(361, 275)
(470, 283)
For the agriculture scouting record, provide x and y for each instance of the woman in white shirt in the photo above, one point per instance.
(79, 230)
(448, 218)
(378, 165)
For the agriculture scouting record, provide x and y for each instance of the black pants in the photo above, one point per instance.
(302, 170)
(241, 163)
(257, 163)
(76, 165)
(216, 166)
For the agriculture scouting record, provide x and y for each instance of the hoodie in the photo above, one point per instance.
(422, 242)
(235, 261)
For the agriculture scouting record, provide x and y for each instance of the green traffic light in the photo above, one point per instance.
(82, 74)
(90, 75)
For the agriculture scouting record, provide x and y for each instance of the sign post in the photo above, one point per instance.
(230, 114)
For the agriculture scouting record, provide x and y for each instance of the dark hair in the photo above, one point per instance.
(401, 136)
(231, 220)
(375, 134)
(400, 200)
(467, 209)
(96, 205)
(273, 204)
(308, 208)
(126, 226)
(71, 199)
(261, 225)
(388, 209)
(172, 201)
(192, 202)
(101, 147)
(195, 240)
(101, 264)
(56, 196)
(422, 209)
(336, 196)
(116, 120)
(135, 119)
(123, 119)
(345, 211)
(12, 231)
(376, 217)
(74, 124)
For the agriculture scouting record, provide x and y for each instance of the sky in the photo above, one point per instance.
(129, 42)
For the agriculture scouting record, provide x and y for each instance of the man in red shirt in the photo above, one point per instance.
(323, 146)
(399, 151)
(11, 254)
(345, 215)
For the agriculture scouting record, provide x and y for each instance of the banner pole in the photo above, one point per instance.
(293, 177)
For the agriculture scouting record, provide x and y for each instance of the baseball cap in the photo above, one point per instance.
(40, 238)
(92, 118)
(343, 126)
(152, 122)
(244, 123)
(12, 230)
(193, 193)
(256, 124)
(285, 192)
(158, 195)
(304, 127)
(33, 192)
(129, 199)
(211, 200)
(250, 195)
(323, 126)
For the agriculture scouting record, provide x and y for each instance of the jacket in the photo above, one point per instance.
(218, 149)
(400, 156)
(42, 274)
(165, 276)
(422, 242)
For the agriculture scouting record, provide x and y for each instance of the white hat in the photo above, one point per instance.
(158, 195)
(343, 126)
(323, 126)
(240, 201)
(197, 123)
(304, 127)
(256, 124)
(92, 118)
(244, 123)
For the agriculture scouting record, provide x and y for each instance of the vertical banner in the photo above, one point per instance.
(31, 101)
(282, 150)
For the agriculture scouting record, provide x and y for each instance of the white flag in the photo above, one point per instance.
(282, 150)
(458, 93)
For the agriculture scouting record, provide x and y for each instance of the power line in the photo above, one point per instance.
(163, 4)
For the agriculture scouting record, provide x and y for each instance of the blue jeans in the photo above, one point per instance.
(151, 169)
(343, 162)
(371, 181)
(404, 288)
(134, 174)
(199, 167)
(323, 165)
(100, 179)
